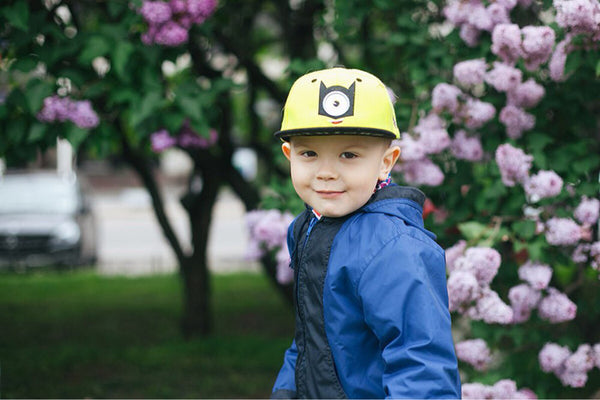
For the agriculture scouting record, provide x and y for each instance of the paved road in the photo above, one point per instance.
(130, 240)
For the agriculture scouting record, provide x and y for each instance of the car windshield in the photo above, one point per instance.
(37, 193)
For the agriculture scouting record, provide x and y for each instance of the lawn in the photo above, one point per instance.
(82, 335)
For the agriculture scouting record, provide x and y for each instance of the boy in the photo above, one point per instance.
(372, 317)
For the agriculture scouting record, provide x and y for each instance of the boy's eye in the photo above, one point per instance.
(308, 153)
(348, 154)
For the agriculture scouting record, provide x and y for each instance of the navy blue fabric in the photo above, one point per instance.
(385, 305)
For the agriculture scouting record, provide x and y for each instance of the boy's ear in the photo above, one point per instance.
(388, 161)
(286, 149)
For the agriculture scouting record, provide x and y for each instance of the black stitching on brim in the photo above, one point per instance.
(286, 134)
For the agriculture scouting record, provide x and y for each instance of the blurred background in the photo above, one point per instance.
(144, 202)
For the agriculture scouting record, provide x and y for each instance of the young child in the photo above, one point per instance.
(372, 317)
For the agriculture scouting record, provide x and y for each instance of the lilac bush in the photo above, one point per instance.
(169, 22)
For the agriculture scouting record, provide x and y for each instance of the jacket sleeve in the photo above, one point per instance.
(285, 385)
(405, 301)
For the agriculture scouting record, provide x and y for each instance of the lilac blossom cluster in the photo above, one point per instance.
(571, 368)
(474, 352)
(61, 109)
(187, 138)
(503, 389)
(170, 21)
(268, 232)
(470, 272)
(431, 138)
(554, 307)
(514, 167)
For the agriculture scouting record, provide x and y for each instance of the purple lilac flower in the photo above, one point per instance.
(536, 274)
(200, 9)
(552, 357)
(453, 253)
(466, 148)
(514, 164)
(516, 121)
(527, 94)
(479, 17)
(588, 211)
(457, 12)
(506, 42)
(156, 12)
(422, 172)
(471, 72)
(284, 274)
(576, 379)
(188, 138)
(476, 113)
(430, 121)
(445, 97)
(498, 14)
(83, 115)
(63, 109)
(475, 391)
(582, 359)
(483, 262)
(504, 77)
(412, 150)
(491, 309)
(556, 307)
(578, 15)
(469, 34)
(542, 185)
(559, 59)
(434, 140)
(462, 288)
(507, 4)
(474, 352)
(562, 232)
(178, 6)
(171, 34)
(580, 254)
(538, 42)
(523, 298)
(161, 140)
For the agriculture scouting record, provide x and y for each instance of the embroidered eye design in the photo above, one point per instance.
(336, 103)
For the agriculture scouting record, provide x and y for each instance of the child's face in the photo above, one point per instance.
(336, 175)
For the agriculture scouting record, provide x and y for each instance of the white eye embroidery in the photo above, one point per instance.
(336, 103)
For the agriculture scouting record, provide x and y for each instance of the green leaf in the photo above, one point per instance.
(524, 229)
(471, 230)
(15, 130)
(598, 68)
(190, 106)
(150, 103)
(37, 131)
(18, 15)
(96, 46)
(35, 94)
(121, 56)
(75, 135)
(25, 64)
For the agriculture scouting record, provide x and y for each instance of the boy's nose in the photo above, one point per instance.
(326, 171)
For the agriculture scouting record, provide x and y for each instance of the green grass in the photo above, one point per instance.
(78, 334)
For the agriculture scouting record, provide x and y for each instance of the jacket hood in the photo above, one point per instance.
(400, 201)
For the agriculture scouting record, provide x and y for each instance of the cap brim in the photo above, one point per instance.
(346, 130)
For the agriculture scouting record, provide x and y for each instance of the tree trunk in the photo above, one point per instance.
(197, 317)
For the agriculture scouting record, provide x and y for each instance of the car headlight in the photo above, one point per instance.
(67, 233)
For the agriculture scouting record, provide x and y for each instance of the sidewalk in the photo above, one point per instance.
(130, 240)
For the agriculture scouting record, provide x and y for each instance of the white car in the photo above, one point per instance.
(45, 219)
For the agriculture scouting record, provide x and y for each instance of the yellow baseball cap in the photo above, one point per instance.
(338, 101)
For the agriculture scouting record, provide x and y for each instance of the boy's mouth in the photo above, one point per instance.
(329, 193)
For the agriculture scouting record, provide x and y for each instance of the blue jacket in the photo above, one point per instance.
(372, 317)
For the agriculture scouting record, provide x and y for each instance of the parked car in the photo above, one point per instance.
(45, 219)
